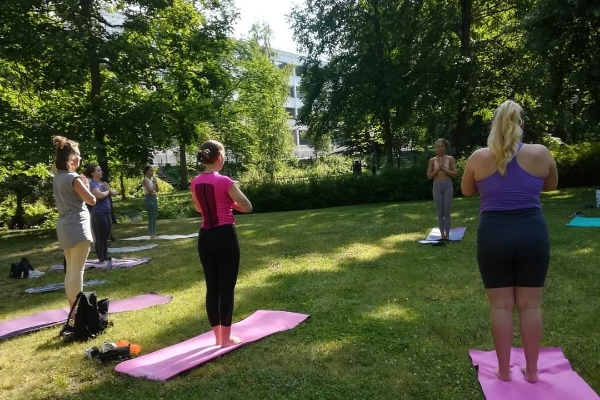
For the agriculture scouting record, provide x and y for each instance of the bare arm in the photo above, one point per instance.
(451, 171)
(100, 194)
(195, 200)
(149, 189)
(551, 181)
(431, 170)
(241, 202)
(468, 185)
(155, 182)
(82, 188)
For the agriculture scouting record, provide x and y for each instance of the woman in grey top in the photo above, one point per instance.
(71, 192)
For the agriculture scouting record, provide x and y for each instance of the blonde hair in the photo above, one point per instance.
(505, 135)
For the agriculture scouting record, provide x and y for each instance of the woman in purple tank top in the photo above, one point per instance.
(513, 245)
(215, 196)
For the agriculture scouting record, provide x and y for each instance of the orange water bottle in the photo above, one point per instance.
(134, 349)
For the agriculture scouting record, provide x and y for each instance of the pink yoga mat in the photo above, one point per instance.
(49, 318)
(173, 360)
(556, 379)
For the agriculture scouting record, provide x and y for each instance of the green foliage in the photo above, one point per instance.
(320, 192)
(577, 164)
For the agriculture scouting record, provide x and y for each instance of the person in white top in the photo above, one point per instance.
(150, 186)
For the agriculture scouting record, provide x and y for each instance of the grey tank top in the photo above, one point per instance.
(73, 225)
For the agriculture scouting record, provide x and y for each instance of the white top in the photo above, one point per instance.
(150, 183)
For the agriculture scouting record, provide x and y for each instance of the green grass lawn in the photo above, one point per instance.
(390, 318)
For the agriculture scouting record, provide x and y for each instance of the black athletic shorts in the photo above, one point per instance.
(513, 248)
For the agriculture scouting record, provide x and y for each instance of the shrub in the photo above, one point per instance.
(577, 164)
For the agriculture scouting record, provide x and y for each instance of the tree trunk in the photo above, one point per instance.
(96, 90)
(464, 89)
(183, 185)
(384, 92)
(122, 182)
(18, 220)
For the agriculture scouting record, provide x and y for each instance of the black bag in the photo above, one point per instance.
(88, 318)
(20, 270)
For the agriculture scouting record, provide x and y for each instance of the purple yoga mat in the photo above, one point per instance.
(170, 361)
(44, 319)
(116, 263)
(556, 379)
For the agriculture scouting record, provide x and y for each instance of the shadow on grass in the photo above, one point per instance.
(391, 318)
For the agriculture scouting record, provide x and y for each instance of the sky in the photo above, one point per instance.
(272, 12)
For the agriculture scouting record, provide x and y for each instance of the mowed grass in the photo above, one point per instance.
(390, 318)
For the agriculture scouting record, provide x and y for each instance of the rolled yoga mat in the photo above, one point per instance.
(585, 222)
(49, 318)
(165, 237)
(173, 360)
(456, 234)
(556, 378)
(116, 263)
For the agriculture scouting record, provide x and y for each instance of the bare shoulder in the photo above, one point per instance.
(536, 150)
(480, 154)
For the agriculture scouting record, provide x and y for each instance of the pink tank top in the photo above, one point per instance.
(211, 191)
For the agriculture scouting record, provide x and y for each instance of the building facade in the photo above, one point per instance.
(293, 103)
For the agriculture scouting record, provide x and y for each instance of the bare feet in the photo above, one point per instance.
(529, 377)
(503, 376)
(153, 237)
(232, 341)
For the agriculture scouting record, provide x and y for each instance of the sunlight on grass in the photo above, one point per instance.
(362, 252)
(390, 318)
(392, 312)
(392, 241)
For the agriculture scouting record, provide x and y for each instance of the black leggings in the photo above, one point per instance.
(513, 248)
(219, 253)
(102, 226)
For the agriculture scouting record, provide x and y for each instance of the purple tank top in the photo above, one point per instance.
(516, 190)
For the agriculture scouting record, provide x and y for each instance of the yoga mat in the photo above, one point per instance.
(165, 237)
(131, 249)
(456, 234)
(52, 287)
(556, 379)
(173, 360)
(116, 263)
(584, 222)
(45, 319)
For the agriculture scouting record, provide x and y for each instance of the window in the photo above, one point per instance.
(291, 112)
(303, 139)
(292, 92)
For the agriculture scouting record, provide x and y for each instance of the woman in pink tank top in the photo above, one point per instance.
(215, 197)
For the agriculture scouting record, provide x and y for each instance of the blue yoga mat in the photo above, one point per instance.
(583, 222)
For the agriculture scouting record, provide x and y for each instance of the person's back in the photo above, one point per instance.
(211, 191)
(521, 185)
(73, 215)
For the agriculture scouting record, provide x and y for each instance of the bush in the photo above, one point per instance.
(320, 192)
(133, 187)
(577, 164)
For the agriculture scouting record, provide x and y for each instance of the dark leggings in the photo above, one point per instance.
(513, 248)
(219, 253)
(102, 225)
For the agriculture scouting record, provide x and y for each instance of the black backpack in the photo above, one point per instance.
(21, 269)
(88, 318)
